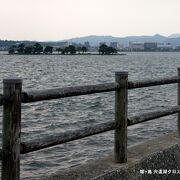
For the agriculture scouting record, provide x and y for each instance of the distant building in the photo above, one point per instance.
(114, 45)
(136, 46)
(150, 46)
(164, 46)
(3, 48)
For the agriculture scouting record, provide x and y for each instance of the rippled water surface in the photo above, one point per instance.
(54, 116)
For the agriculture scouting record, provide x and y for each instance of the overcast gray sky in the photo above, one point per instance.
(62, 19)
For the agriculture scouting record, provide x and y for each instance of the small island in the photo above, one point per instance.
(37, 48)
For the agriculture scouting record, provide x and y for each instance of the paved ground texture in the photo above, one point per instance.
(155, 159)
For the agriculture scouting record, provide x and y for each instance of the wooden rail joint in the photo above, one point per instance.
(6, 99)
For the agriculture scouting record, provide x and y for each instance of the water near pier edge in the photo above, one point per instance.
(54, 116)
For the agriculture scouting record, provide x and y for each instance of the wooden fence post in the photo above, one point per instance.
(121, 105)
(12, 88)
(178, 101)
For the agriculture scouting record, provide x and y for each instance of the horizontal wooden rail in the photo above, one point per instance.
(39, 95)
(152, 115)
(155, 82)
(48, 94)
(48, 141)
(52, 140)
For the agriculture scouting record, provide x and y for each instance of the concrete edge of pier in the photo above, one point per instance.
(158, 158)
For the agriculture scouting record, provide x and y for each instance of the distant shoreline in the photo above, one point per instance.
(85, 54)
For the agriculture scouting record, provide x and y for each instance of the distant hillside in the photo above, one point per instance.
(173, 41)
(5, 44)
(94, 40)
(174, 35)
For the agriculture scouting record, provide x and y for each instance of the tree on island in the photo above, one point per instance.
(48, 50)
(12, 49)
(111, 50)
(37, 48)
(65, 50)
(72, 49)
(59, 50)
(104, 49)
(69, 49)
(20, 48)
(79, 49)
(84, 49)
(28, 50)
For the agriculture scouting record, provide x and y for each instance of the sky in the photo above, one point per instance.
(63, 19)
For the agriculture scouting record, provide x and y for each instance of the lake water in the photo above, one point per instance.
(54, 116)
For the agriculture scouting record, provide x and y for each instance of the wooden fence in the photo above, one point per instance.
(13, 97)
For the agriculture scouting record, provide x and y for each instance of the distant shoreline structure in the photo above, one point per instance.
(155, 42)
(85, 54)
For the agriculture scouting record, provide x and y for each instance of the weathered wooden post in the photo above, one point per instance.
(11, 129)
(178, 101)
(121, 105)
